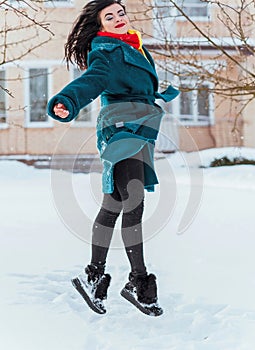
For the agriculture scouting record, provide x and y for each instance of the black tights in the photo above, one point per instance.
(128, 197)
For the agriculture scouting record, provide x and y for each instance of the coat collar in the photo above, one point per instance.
(131, 55)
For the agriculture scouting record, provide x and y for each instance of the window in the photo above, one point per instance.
(18, 3)
(48, 3)
(38, 96)
(164, 17)
(203, 101)
(162, 8)
(2, 98)
(85, 117)
(15, 2)
(59, 3)
(195, 8)
(195, 104)
(186, 103)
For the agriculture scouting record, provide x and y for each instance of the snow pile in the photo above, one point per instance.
(230, 153)
(205, 157)
(206, 276)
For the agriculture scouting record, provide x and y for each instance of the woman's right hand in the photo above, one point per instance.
(60, 110)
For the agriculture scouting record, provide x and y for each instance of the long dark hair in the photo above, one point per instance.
(85, 28)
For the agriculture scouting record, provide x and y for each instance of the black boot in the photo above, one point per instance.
(141, 291)
(93, 285)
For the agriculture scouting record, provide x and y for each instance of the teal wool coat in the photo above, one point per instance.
(129, 118)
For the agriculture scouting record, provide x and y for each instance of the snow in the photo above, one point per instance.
(205, 273)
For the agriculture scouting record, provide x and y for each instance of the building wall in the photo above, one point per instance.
(18, 138)
(249, 125)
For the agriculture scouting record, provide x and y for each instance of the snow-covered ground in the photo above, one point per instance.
(205, 272)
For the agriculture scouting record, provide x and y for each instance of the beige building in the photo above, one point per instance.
(196, 119)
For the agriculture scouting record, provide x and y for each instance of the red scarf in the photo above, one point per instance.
(132, 38)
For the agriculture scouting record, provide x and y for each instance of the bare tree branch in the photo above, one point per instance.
(26, 12)
(219, 50)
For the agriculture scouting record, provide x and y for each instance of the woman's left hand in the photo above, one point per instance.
(60, 110)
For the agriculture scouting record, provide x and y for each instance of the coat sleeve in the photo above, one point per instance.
(83, 90)
(168, 95)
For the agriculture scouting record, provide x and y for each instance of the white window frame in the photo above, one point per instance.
(194, 119)
(4, 125)
(165, 78)
(168, 139)
(183, 3)
(93, 107)
(28, 122)
(171, 108)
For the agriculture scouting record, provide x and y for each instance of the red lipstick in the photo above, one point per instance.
(120, 25)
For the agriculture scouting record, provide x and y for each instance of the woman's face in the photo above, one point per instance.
(113, 19)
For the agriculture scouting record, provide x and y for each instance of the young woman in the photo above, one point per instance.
(121, 70)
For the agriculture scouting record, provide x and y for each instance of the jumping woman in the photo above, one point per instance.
(120, 70)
